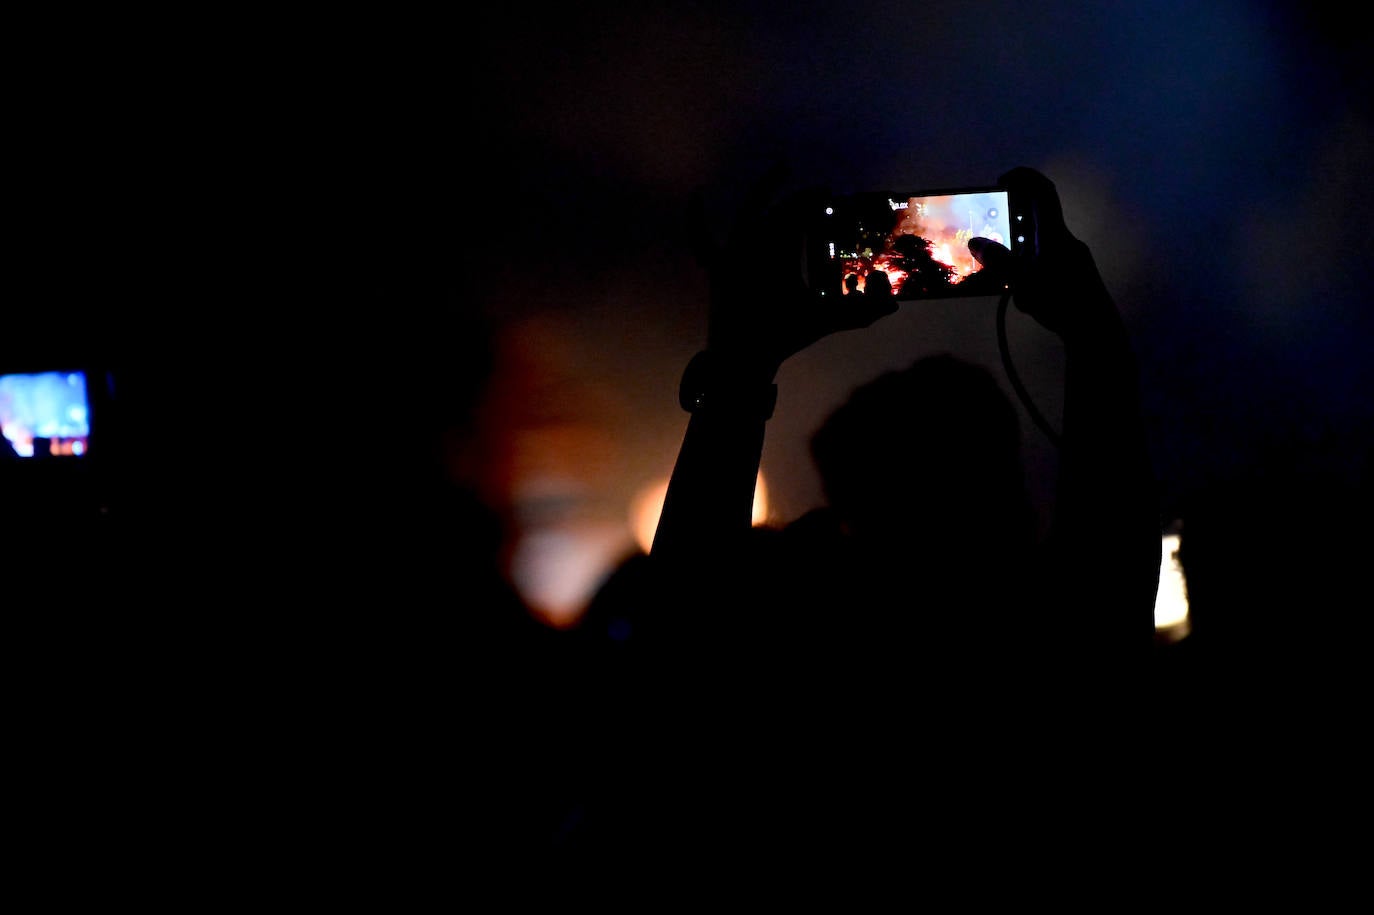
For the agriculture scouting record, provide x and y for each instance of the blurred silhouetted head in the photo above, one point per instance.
(930, 454)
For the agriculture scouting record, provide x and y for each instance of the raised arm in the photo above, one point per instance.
(757, 320)
(1105, 537)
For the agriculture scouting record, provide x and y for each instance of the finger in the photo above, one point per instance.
(873, 307)
(1028, 184)
(990, 254)
(1001, 265)
(855, 311)
(996, 258)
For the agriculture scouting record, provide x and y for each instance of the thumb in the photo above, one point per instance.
(995, 257)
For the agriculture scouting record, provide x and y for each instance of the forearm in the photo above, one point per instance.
(710, 498)
(1107, 525)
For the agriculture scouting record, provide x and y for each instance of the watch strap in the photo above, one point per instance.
(712, 384)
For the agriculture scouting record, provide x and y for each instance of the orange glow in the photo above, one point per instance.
(647, 506)
(557, 568)
(945, 255)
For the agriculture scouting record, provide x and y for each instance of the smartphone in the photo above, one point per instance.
(55, 441)
(910, 244)
(45, 414)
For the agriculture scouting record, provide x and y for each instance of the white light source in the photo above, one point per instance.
(1171, 601)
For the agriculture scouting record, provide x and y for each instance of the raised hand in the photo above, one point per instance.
(1056, 281)
(762, 310)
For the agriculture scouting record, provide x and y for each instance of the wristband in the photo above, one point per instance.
(710, 384)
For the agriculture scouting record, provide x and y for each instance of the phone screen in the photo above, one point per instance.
(44, 414)
(915, 244)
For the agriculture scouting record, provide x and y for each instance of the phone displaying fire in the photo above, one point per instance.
(914, 244)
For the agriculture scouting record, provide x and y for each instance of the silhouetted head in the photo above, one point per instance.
(929, 455)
